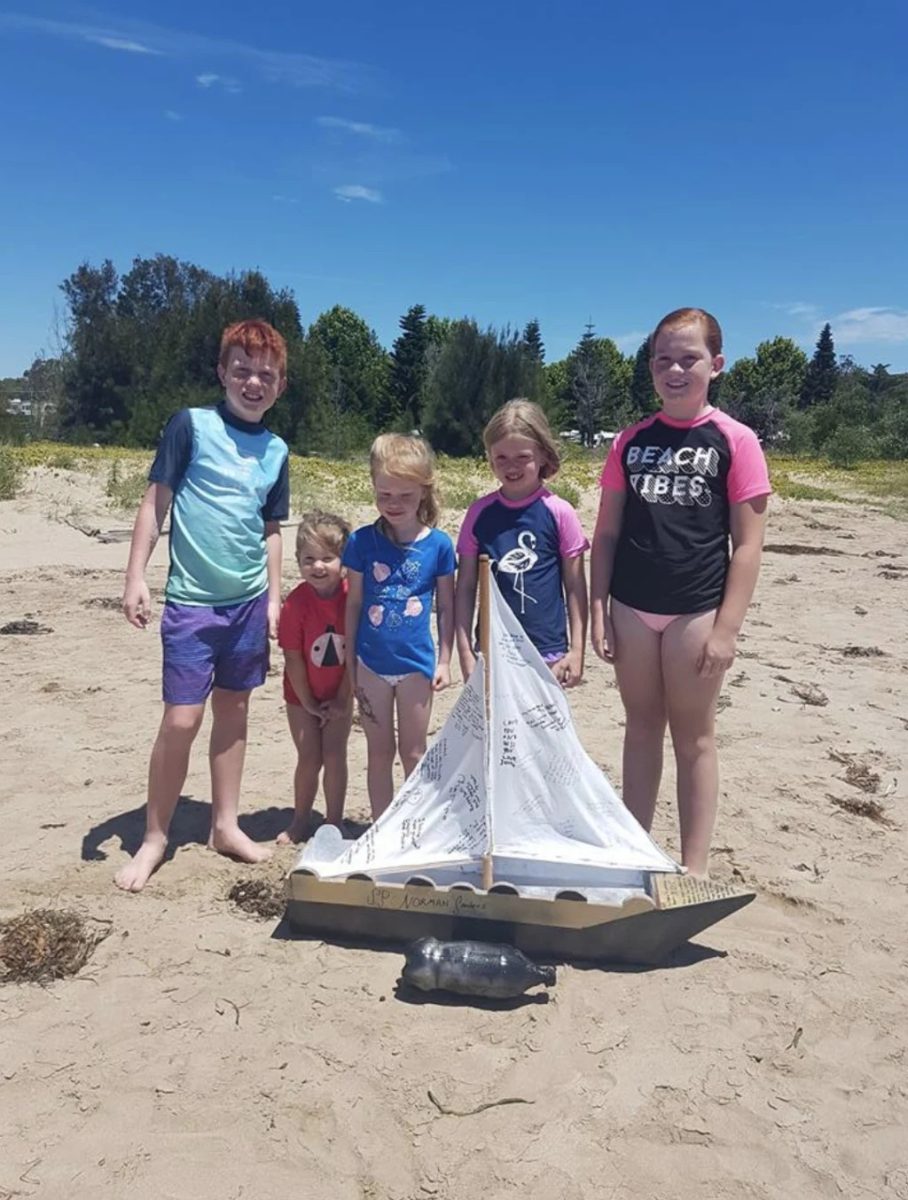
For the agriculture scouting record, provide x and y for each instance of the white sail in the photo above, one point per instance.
(440, 815)
(517, 784)
(550, 801)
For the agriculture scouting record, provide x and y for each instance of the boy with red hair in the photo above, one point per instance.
(226, 477)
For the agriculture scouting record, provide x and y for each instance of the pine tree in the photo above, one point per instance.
(408, 368)
(473, 373)
(532, 341)
(643, 394)
(589, 385)
(822, 373)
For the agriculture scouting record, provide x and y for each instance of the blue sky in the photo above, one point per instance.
(500, 160)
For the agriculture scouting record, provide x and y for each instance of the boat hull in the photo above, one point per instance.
(643, 930)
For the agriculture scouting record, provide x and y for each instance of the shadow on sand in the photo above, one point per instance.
(190, 826)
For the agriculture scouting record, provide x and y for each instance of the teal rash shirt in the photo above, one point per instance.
(229, 477)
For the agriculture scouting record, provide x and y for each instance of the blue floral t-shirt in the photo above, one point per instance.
(395, 633)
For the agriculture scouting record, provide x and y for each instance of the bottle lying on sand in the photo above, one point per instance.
(472, 969)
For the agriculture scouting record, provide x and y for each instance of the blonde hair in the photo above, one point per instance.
(408, 457)
(523, 418)
(712, 332)
(324, 529)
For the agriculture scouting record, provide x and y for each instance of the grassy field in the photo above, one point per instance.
(341, 483)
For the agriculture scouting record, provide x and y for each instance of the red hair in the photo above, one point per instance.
(712, 333)
(254, 337)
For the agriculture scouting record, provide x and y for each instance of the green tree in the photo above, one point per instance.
(643, 398)
(98, 368)
(822, 372)
(532, 340)
(588, 383)
(473, 374)
(556, 394)
(409, 363)
(44, 390)
(357, 364)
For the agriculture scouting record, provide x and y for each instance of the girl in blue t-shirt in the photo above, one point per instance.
(395, 568)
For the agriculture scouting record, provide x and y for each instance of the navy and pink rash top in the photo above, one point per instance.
(526, 541)
(680, 477)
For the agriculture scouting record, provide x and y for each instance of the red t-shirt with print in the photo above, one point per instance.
(313, 626)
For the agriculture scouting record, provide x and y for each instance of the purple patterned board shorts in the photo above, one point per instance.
(225, 646)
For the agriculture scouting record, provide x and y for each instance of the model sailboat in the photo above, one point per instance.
(506, 831)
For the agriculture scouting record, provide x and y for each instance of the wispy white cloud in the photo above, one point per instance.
(356, 191)
(376, 166)
(227, 82)
(376, 133)
(798, 308)
(276, 66)
(281, 199)
(118, 43)
(870, 325)
(629, 343)
(172, 115)
(850, 328)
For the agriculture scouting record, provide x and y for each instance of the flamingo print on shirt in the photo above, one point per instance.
(518, 561)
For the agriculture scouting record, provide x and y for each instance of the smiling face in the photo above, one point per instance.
(517, 464)
(320, 567)
(683, 369)
(251, 382)
(397, 500)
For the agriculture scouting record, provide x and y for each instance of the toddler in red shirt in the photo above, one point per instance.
(316, 684)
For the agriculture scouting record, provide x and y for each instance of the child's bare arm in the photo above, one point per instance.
(569, 670)
(351, 618)
(748, 521)
(274, 555)
(444, 605)
(464, 605)
(602, 558)
(145, 533)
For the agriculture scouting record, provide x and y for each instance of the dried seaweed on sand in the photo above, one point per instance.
(45, 944)
(261, 897)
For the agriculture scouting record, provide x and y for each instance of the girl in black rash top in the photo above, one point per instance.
(667, 597)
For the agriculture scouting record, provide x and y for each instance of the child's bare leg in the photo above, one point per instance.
(334, 748)
(166, 775)
(414, 707)
(691, 704)
(307, 737)
(638, 670)
(226, 753)
(376, 706)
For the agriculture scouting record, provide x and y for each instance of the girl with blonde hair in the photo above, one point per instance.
(534, 540)
(396, 567)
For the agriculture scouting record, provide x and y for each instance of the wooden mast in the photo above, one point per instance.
(484, 645)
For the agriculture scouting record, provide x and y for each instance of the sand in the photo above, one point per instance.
(203, 1054)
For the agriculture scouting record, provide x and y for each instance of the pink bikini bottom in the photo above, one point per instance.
(657, 622)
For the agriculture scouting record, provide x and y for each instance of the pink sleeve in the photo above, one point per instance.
(571, 538)
(748, 475)
(612, 477)
(466, 539)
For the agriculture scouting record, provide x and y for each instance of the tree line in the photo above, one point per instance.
(141, 345)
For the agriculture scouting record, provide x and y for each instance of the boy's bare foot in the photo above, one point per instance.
(235, 843)
(297, 831)
(140, 868)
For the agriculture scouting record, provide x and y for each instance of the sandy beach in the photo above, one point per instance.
(203, 1054)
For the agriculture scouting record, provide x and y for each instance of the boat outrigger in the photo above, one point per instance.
(506, 831)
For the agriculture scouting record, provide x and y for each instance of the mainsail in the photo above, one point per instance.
(513, 782)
